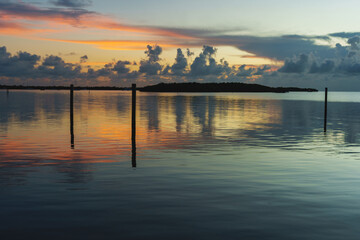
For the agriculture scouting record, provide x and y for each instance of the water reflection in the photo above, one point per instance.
(33, 125)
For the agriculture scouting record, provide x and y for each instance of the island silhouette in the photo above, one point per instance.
(220, 87)
(178, 87)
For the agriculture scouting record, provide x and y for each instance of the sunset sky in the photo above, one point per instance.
(276, 42)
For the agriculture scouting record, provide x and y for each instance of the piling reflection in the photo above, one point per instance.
(133, 153)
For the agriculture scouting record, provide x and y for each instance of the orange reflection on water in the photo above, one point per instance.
(103, 128)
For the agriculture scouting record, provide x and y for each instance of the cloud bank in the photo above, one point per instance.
(340, 68)
(24, 67)
(72, 3)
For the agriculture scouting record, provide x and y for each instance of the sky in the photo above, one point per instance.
(116, 43)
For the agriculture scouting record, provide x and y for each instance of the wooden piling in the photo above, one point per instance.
(133, 124)
(72, 115)
(325, 111)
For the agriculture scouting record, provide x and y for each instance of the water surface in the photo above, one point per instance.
(208, 166)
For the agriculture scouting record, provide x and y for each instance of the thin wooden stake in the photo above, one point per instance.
(72, 115)
(325, 111)
(133, 124)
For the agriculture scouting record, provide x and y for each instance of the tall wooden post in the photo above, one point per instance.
(325, 111)
(72, 115)
(133, 124)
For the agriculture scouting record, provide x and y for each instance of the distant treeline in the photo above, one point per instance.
(60, 87)
(220, 87)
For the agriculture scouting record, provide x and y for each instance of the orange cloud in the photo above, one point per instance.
(10, 28)
(120, 44)
(79, 18)
(18, 30)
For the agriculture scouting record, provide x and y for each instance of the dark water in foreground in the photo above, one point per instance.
(209, 166)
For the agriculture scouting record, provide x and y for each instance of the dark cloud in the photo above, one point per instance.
(209, 51)
(298, 64)
(54, 66)
(346, 60)
(72, 3)
(325, 67)
(151, 66)
(278, 48)
(180, 64)
(245, 71)
(199, 67)
(261, 70)
(308, 63)
(350, 69)
(120, 67)
(153, 53)
(345, 34)
(340, 51)
(351, 63)
(354, 42)
(205, 63)
(26, 10)
(24, 65)
(105, 71)
(21, 65)
(248, 72)
(83, 59)
(189, 53)
(295, 36)
(117, 73)
(4, 54)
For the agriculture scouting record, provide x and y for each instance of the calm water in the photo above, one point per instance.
(208, 166)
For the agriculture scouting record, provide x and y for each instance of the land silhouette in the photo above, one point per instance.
(220, 87)
(178, 87)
